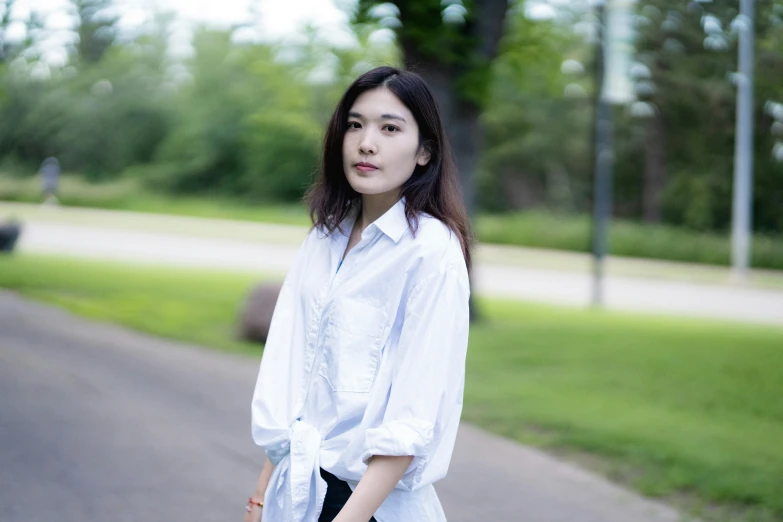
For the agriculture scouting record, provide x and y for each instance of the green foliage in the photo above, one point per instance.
(677, 408)
(697, 103)
(244, 125)
(97, 119)
(283, 155)
(421, 24)
(448, 37)
(537, 148)
(539, 139)
(204, 150)
(235, 119)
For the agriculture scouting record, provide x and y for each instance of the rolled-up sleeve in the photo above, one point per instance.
(425, 400)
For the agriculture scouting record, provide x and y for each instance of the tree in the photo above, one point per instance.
(244, 124)
(97, 28)
(18, 89)
(452, 45)
(34, 26)
(97, 120)
(537, 119)
(690, 49)
(5, 21)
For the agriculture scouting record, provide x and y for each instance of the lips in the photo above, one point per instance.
(365, 167)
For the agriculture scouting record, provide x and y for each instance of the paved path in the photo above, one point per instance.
(98, 423)
(275, 248)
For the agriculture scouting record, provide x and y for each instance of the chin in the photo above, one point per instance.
(366, 186)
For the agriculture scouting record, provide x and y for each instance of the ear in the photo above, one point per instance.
(423, 157)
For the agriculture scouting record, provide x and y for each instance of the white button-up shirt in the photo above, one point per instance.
(365, 358)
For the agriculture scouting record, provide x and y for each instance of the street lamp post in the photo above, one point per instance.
(614, 50)
(603, 154)
(743, 145)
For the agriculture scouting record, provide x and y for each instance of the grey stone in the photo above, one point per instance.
(257, 312)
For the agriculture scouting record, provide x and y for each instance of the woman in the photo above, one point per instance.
(359, 393)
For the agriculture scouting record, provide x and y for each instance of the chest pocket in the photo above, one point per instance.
(352, 347)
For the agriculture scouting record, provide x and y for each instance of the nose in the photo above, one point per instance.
(367, 145)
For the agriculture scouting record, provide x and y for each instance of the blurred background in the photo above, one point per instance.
(153, 157)
(229, 102)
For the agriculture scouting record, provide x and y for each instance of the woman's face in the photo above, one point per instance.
(381, 146)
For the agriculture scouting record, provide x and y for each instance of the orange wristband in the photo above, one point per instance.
(252, 502)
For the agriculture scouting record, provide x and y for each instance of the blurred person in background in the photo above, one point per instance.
(50, 179)
(359, 392)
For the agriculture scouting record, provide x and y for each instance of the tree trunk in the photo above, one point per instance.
(654, 170)
(460, 114)
(461, 120)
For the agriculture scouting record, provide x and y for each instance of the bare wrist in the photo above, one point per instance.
(253, 503)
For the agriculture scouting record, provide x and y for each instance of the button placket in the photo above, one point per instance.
(314, 354)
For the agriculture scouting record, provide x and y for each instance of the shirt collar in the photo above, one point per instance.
(393, 222)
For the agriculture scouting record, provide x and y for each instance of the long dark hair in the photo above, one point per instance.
(433, 188)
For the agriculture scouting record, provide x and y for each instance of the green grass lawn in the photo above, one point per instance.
(127, 195)
(674, 406)
(688, 410)
(190, 305)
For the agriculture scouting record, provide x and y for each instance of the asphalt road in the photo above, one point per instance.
(98, 423)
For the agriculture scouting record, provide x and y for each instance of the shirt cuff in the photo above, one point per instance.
(276, 452)
(400, 438)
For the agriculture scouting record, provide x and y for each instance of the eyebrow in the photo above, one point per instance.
(383, 116)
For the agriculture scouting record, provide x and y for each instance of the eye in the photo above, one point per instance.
(354, 125)
(391, 128)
